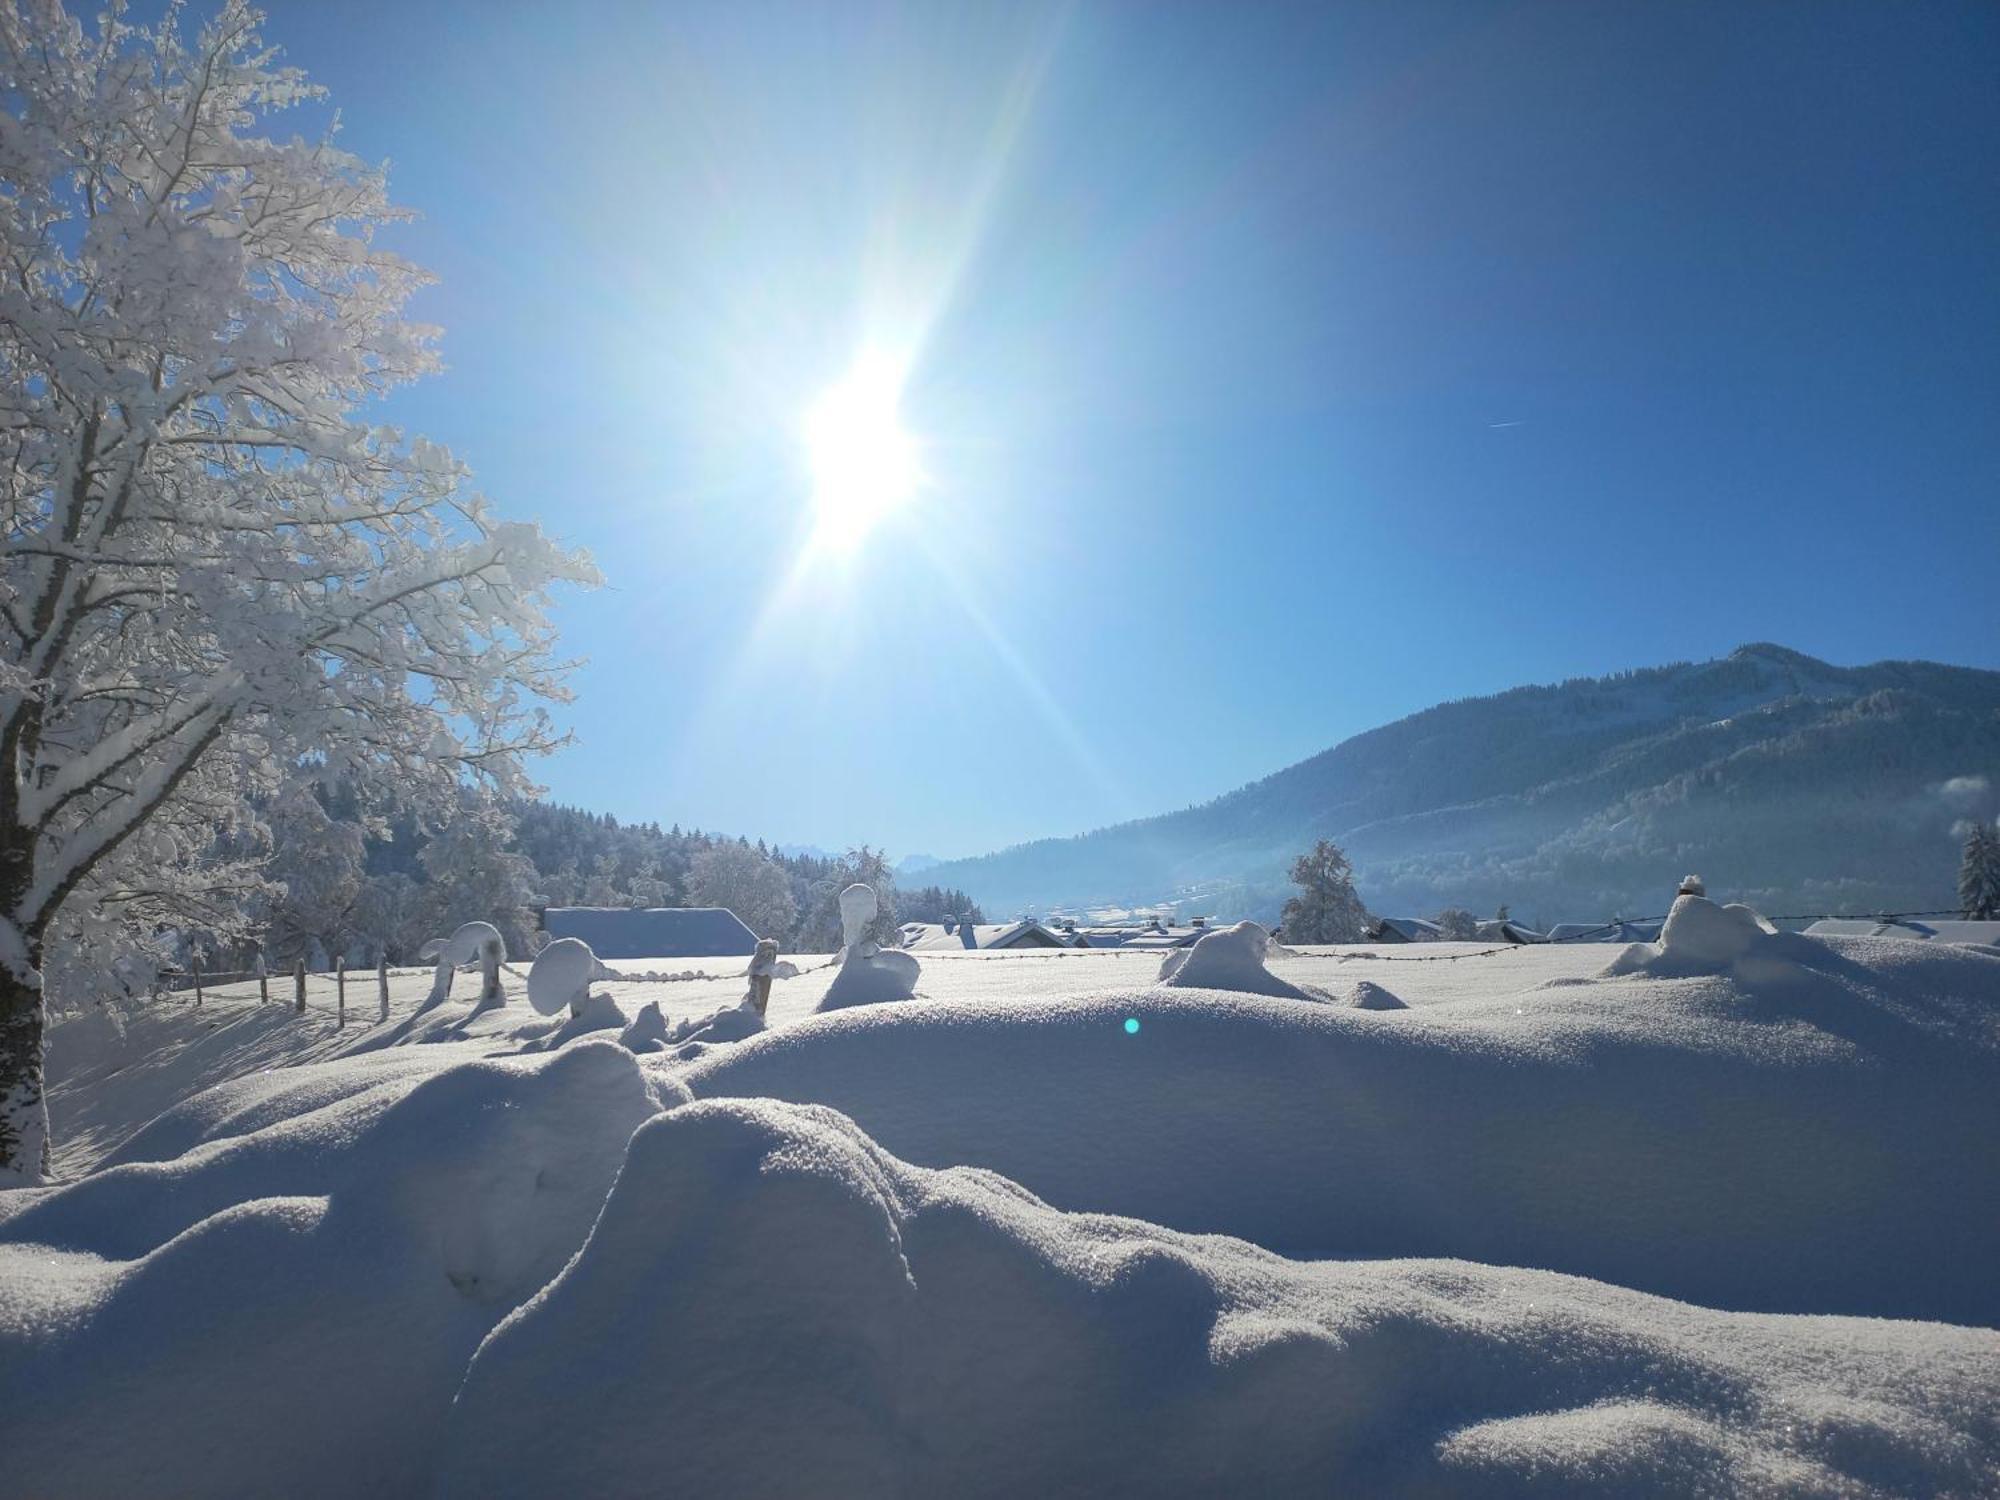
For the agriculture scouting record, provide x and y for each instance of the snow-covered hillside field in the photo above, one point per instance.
(1718, 1217)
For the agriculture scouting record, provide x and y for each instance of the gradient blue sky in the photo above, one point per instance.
(1280, 370)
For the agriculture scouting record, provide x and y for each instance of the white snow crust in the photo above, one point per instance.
(1056, 1227)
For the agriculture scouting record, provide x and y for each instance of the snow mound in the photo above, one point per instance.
(290, 1312)
(1827, 1145)
(242, 1106)
(1230, 958)
(648, 1031)
(732, 1023)
(790, 1310)
(1701, 937)
(596, 1013)
(562, 974)
(867, 975)
(1369, 995)
(880, 978)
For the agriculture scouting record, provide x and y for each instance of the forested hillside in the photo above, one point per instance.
(1784, 779)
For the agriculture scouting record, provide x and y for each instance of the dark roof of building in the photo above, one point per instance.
(654, 931)
(1404, 930)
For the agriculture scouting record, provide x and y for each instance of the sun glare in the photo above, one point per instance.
(864, 464)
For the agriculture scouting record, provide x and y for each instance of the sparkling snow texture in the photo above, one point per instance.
(434, 1258)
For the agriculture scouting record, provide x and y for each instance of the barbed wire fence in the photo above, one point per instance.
(1588, 935)
(181, 981)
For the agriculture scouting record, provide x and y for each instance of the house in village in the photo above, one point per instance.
(653, 931)
(1506, 930)
(1405, 930)
(935, 937)
(1160, 934)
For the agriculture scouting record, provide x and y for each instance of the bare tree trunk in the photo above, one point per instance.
(24, 1111)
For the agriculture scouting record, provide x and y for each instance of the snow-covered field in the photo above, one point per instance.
(1720, 1218)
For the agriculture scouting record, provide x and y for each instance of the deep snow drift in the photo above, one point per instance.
(434, 1257)
(1827, 1140)
(790, 1310)
(288, 1311)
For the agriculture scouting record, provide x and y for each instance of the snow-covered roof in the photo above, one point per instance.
(1404, 930)
(653, 931)
(1105, 937)
(1166, 937)
(934, 936)
(1943, 931)
(1509, 931)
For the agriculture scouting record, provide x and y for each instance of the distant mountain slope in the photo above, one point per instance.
(1780, 778)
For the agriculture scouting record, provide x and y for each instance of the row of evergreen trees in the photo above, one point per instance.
(339, 884)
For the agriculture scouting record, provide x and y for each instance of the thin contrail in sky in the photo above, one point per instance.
(1503, 424)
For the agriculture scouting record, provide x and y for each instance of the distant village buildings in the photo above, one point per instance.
(653, 931)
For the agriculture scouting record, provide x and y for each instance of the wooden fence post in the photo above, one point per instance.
(197, 981)
(299, 985)
(263, 982)
(382, 985)
(340, 993)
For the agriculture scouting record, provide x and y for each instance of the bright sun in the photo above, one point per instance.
(864, 464)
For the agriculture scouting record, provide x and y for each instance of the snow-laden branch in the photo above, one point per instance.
(213, 572)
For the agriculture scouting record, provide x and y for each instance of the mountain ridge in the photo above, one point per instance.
(1794, 779)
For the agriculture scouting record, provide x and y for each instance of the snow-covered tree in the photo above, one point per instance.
(1326, 909)
(1979, 872)
(212, 573)
(1456, 925)
(473, 874)
(820, 930)
(317, 866)
(738, 877)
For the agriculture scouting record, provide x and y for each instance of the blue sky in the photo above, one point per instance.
(1275, 371)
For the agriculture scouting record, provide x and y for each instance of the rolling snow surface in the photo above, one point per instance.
(1718, 1218)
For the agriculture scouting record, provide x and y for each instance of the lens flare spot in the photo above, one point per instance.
(1131, 1026)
